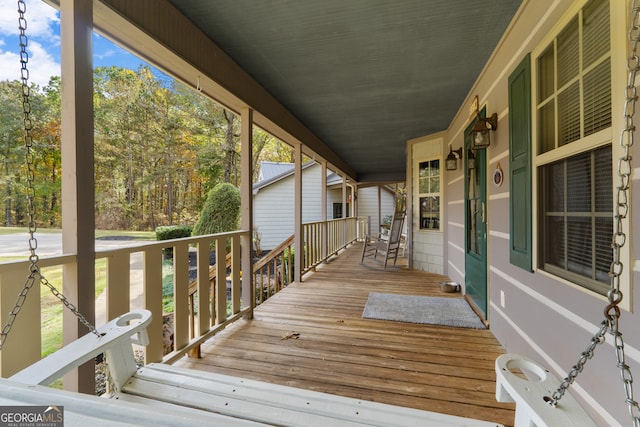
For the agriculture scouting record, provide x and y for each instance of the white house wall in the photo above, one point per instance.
(273, 207)
(333, 196)
(537, 314)
(368, 206)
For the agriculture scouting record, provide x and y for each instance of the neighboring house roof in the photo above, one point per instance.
(285, 172)
(333, 179)
(272, 172)
(269, 170)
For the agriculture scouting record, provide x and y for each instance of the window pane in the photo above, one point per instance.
(569, 115)
(568, 54)
(595, 26)
(435, 185)
(579, 249)
(554, 187)
(554, 247)
(546, 84)
(435, 168)
(603, 180)
(604, 253)
(597, 98)
(579, 183)
(430, 212)
(547, 128)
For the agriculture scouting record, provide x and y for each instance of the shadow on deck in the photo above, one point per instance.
(312, 335)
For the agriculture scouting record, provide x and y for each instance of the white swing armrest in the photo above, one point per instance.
(115, 341)
(529, 393)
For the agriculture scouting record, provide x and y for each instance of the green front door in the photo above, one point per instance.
(475, 189)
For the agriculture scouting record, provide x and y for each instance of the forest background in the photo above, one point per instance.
(160, 146)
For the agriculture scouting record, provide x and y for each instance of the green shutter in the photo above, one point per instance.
(520, 165)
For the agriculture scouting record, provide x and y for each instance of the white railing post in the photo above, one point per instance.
(78, 192)
(246, 209)
(323, 204)
(298, 229)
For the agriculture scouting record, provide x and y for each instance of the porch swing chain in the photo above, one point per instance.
(34, 269)
(618, 240)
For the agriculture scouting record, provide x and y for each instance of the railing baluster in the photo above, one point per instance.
(118, 287)
(221, 280)
(203, 286)
(152, 284)
(180, 295)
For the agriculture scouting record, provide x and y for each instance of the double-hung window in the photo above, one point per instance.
(573, 149)
(429, 194)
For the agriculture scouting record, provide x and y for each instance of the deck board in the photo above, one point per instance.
(434, 368)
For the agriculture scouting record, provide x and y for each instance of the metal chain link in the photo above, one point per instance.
(618, 240)
(34, 269)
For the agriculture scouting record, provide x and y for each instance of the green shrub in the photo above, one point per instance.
(221, 211)
(169, 232)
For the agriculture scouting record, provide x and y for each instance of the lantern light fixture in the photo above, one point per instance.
(451, 162)
(480, 133)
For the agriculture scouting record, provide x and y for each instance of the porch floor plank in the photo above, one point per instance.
(434, 368)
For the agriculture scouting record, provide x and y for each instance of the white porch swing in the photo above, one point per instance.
(157, 394)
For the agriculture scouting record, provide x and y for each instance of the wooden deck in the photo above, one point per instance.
(312, 335)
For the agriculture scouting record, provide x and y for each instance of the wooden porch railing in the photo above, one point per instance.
(274, 271)
(187, 332)
(194, 319)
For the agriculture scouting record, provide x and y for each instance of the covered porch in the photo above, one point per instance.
(311, 335)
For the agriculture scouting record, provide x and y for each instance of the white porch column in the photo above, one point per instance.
(379, 209)
(344, 196)
(246, 208)
(344, 207)
(323, 203)
(78, 223)
(297, 209)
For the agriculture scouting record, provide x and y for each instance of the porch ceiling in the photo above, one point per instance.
(363, 75)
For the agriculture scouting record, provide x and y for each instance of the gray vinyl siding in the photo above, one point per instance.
(273, 206)
(368, 206)
(544, 317)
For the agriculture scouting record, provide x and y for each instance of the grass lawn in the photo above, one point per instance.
(143, 235)
(51, 307)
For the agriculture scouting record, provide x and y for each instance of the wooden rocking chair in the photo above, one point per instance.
(386, 246)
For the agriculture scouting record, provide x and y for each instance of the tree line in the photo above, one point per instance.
(159, 147)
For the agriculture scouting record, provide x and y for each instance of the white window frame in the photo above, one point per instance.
(420, 195)
(617, 16)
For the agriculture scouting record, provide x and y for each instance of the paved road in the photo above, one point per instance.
(17, 244)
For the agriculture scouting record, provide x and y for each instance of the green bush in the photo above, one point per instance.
(221, 211)
(169, 232)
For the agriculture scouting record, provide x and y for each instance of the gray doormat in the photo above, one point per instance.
(419, 309)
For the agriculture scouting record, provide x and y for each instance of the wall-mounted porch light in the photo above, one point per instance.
(480, 133)
(451, 160)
